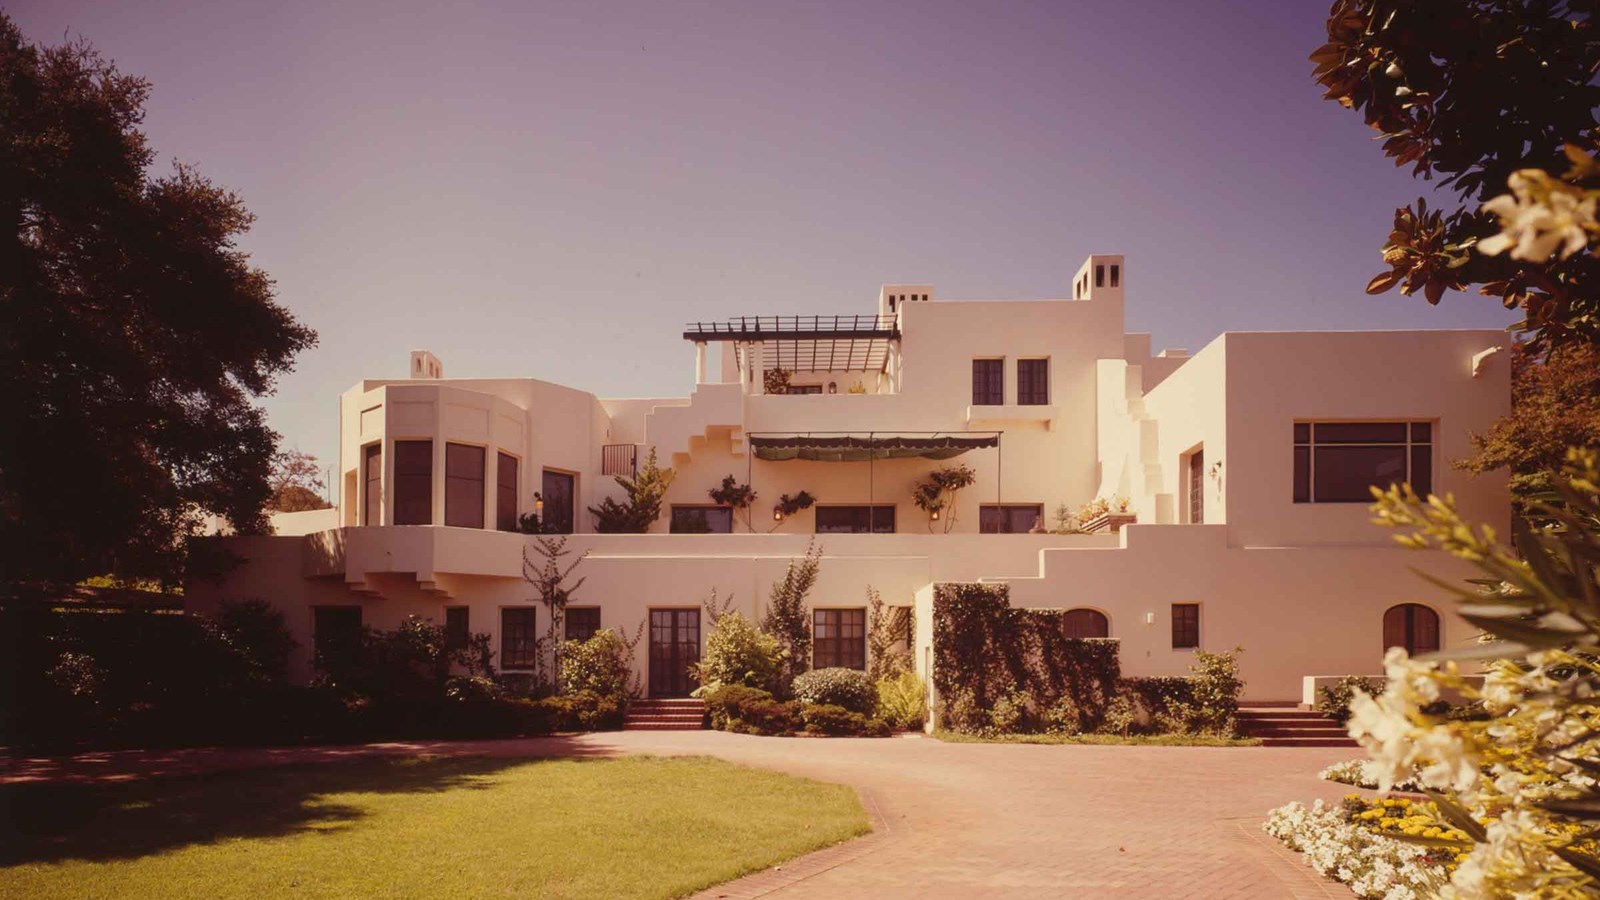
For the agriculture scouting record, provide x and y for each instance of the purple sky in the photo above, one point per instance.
(551, 190)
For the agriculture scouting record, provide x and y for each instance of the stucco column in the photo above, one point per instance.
(758, 381)
(700, 362)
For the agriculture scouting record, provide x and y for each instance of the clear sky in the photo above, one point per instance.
(553, 189)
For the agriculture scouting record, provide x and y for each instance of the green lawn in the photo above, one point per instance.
(1144, 740)
(449, 828)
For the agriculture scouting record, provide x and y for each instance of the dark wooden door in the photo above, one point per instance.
(1197, 487)
(1412, 626)
(674, 647)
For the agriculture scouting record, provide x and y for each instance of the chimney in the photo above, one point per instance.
(1101, 277)
(425, 365)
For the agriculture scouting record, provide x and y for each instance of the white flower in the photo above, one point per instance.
(1539, 217)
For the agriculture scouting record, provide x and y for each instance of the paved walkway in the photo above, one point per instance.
(951, 820)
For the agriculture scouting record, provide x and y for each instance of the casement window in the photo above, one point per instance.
(558, 495)
(1339, 462)
(1085, 623)
(463, 485)
(701, 520)
(413, 482)
(1412, 626)
(1033, 382)
(839, 638)
(335, 633)
(519, 643)
(1010, 518)
(1196, 476)
(1185, 626)
(456, 631)
(372, 471)
(803, 389)
(988, 382)
(505, 493)
(581, 622)
(855, 520)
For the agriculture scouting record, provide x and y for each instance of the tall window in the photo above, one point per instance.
(1185, 625)
(463, 485)
(456, 632)
(1412, 626)
(1033, 382)
(1197, 487)
(413, 482)
(1085, 623)
(1010, 518)
(581, 622)
(558, 496)
(1337, 462)
(505, 493)
(839, 638)
(519, 645)
(701, 520)
(335, 633)
(372, 471)
(988, 382)
(855, 520)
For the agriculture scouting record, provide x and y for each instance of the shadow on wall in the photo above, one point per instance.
(127, 820)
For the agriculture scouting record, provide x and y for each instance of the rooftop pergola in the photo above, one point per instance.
(805, 343)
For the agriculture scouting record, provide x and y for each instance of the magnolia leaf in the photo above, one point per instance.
(1583, 862)
(1534, 636)
(1586, 808)
(1383, 282)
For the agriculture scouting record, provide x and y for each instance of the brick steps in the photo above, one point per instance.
(1285, 726)
(677, 714)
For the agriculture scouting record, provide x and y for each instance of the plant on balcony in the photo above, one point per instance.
(858, 388)
(787, 618)
(788, 506)
(776, 381)
(643, 506)
(549, 578)
(737, 497)
(936, 495)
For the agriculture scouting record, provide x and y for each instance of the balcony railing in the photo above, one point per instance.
(619, 459)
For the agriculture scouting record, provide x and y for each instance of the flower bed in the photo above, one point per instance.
(1361, 773)
(1358, 842)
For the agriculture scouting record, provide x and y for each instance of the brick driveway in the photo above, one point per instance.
(955, 820)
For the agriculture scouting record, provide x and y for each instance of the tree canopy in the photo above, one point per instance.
(1474, 91)
(136, 333)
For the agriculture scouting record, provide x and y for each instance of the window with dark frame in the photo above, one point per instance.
(1339, 462)
(505, 492)
(1008, 518)
(413, 482)
(1033, 382)
(558, 494)
(372, 513)
(988, 382)
(519, 644)
(1099, 276)
(581, 622)
(839, 638)
(1185, 626)
(1085, 623)
(1116, 274)
(701, 520)
(456, 631)
(463, 485)
(1197, 487)
(855, 520)
(335, 633)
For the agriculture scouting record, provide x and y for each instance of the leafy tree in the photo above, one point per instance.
(787, 617)
(1474, 91)
(643, 507)
(548, 576)
(297, 483)
(1555, 404)
(136, 332)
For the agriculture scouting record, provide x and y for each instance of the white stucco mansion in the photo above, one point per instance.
(1245, 467)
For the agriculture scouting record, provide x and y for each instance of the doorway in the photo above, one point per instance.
(674, 647)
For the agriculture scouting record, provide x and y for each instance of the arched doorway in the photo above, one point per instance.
(1086, 623)
(1412, 626)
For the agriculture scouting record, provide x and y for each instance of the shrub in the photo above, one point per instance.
(771, 717)
(472, 689)
(903, 701)
(787, 618)
(599, 665)
(739, 653)
(1216, 687)
(1008, 713)
(836, 721)
(1333, 700)
(724, 700)
(849, 688)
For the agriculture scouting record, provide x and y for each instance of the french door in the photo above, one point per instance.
(674, 647)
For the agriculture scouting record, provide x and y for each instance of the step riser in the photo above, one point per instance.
(633, 727)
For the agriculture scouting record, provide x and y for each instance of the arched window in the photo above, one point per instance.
(1412, 626)
(1086, 623)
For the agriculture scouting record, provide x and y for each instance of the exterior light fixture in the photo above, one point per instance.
(538, 504)
(777, 514)
(1149, 618)
(934, 515)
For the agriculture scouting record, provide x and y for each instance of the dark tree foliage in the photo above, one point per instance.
(1555, 404)
(1472, 91)
(135, 333)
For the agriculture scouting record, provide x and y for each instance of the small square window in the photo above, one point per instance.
(1099, 276)
(1185, 626)
(1116, 275)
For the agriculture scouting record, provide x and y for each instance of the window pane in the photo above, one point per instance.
(988, 382)
(1360, 432)
(1302, 432)
(558, 496)
(1345, 474)
(701, 520)
(335, 633)
(1008, 519)
(1033, 382)
(518, 643)
(855, 519)
(505, 493)
(372, 514)
(582, 622)
(413, 482)
(1421, 432)
(1185, 625)
(456, 631)
(463, 485)
(1422, 469)
(1302, 474)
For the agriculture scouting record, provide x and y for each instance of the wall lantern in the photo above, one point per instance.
(934, 515)
(777, 514)
(538, 504)
(1149, 618)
